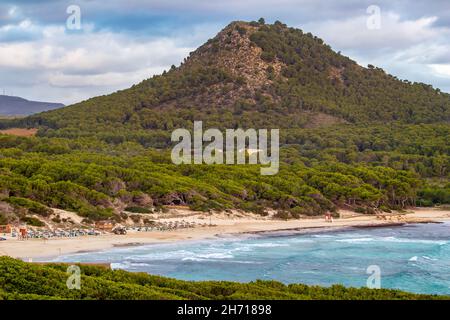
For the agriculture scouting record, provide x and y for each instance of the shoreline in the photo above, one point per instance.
(222, 227)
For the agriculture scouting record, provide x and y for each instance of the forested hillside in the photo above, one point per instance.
(20, 280)
(251, 75)
(351, 136)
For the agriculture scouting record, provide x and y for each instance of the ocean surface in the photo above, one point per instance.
(414, 258)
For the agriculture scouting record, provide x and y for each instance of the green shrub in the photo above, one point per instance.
(3, 219)
(32, 221)
(360, 210)
(32, 206)
(138, 210)
(21, 280)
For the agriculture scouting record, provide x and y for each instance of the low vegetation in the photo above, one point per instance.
(20, 280)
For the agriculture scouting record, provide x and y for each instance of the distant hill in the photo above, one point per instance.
(16, 106)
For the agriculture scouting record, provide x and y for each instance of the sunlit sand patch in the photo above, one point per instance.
(20, 132)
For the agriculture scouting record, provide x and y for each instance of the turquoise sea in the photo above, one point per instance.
(414, 258)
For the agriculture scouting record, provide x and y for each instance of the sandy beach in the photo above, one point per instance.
(222, 224)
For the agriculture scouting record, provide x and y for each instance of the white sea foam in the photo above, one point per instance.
(194, 259)
(128, 264)
(393, 239)
(355, 240)
(296, 240)
(217, 255)
(198, 259)
(429, 258)
(118, 265)
(267, 245)
(177, 254)
(405, 240)
(323, 236)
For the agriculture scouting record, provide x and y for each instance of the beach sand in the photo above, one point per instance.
(223, 224)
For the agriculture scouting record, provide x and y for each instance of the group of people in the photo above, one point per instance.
(164, 226)
(328, 217)
(25, 234)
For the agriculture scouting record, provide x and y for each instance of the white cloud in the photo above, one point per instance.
(393, 33)
(106, 79)
(415, 49)
(442, 70)
(45, 62)
(98, 62)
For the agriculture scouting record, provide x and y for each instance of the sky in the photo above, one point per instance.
(46, 55)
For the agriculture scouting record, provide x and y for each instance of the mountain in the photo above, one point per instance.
(16, 106)
(255, 75)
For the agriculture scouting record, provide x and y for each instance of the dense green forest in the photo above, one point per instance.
(351, 136)
(20, 280)
(97, 180)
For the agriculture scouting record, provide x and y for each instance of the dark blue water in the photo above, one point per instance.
(414, 258)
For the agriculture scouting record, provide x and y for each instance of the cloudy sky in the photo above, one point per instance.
(121, 43)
